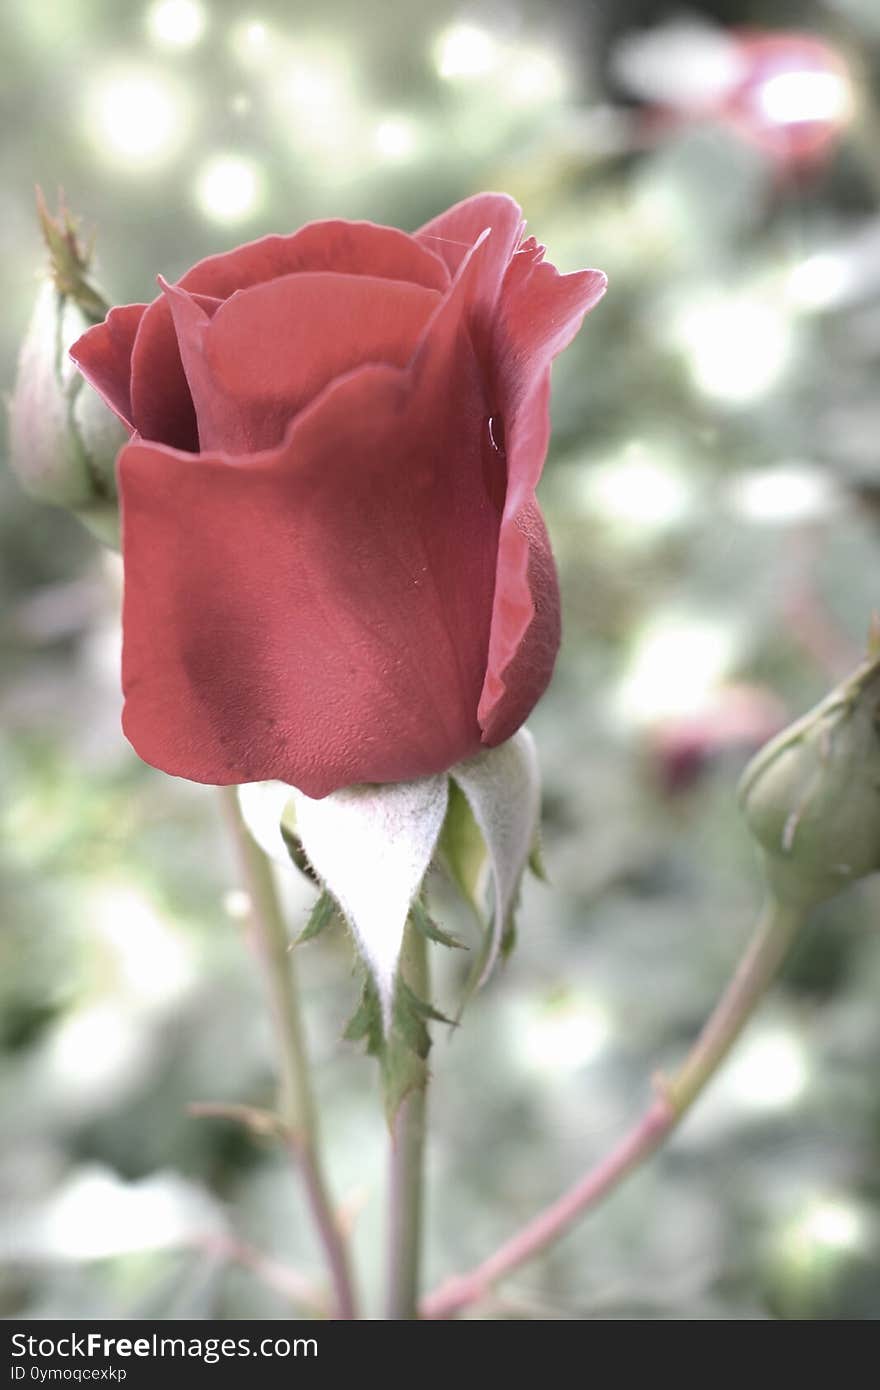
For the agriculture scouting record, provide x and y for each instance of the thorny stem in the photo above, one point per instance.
(767, 949)
(296, 1107)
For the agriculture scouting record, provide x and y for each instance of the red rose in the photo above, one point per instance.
(335, 567)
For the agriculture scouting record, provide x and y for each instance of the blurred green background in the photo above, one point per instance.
(712, 496)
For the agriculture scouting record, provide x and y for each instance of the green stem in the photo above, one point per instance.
(406, 1171)
(760, 963)
(296, 1106)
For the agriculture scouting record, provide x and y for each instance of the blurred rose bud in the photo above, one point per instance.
(793, 98)
(735, 719)
(786, 92)
(812, 796)
(63, 438)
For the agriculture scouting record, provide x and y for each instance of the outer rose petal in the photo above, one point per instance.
(452, 233)
(528, 674)
(269, 350)
(319, 614)
(103, 355)
(539, 313)
(350, 248)
(161, 400)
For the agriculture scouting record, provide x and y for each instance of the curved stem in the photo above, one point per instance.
(763, 956)
(296, 1107)
(406, 1170)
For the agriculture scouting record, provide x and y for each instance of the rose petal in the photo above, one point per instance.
(319, 614)
(161, 400)
(348, 248)
(270, 349)
(452, 233)
(539, 313)
(528, 673)
(103, 355)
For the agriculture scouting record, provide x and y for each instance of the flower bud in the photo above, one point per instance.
(63, 438)
(811, 797)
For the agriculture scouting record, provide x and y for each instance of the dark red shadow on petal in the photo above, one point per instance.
(161, 401)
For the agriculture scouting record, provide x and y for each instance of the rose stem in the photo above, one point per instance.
(758, 966)
(296, 1106)
(406, 1166)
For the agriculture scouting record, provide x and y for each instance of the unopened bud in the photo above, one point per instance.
(63, 438)
(812, 795)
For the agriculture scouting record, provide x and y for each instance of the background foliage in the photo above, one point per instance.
(711, 496)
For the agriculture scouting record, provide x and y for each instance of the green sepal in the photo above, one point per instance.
(365, 1024)
(296, 852)
(508, 944)
(409, 1022)
(412, 1002)
(536, 859)
(402, 1055)
(463, 851)
(320, 917)
(425, 924)
(508, 938)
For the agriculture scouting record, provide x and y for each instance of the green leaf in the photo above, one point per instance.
(463, 850)
(424, 923)
(321, 916)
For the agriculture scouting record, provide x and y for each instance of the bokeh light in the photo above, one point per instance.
(229, 188)
(833, 1224)
(640, 490)
(560, 1037)
(737, 346)
(313, 90)
(793, 98)
(534, 77)
(769, 1070)
(790, 495)
(466, 51)
(136, 118)
(397, 139)
(251, 42)
(176, 23)
(676, 663)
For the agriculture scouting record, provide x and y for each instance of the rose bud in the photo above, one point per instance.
(733, 719)
(63, 439)
(787, 93)
(336, 571)
(812, 796)
(793, 97)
